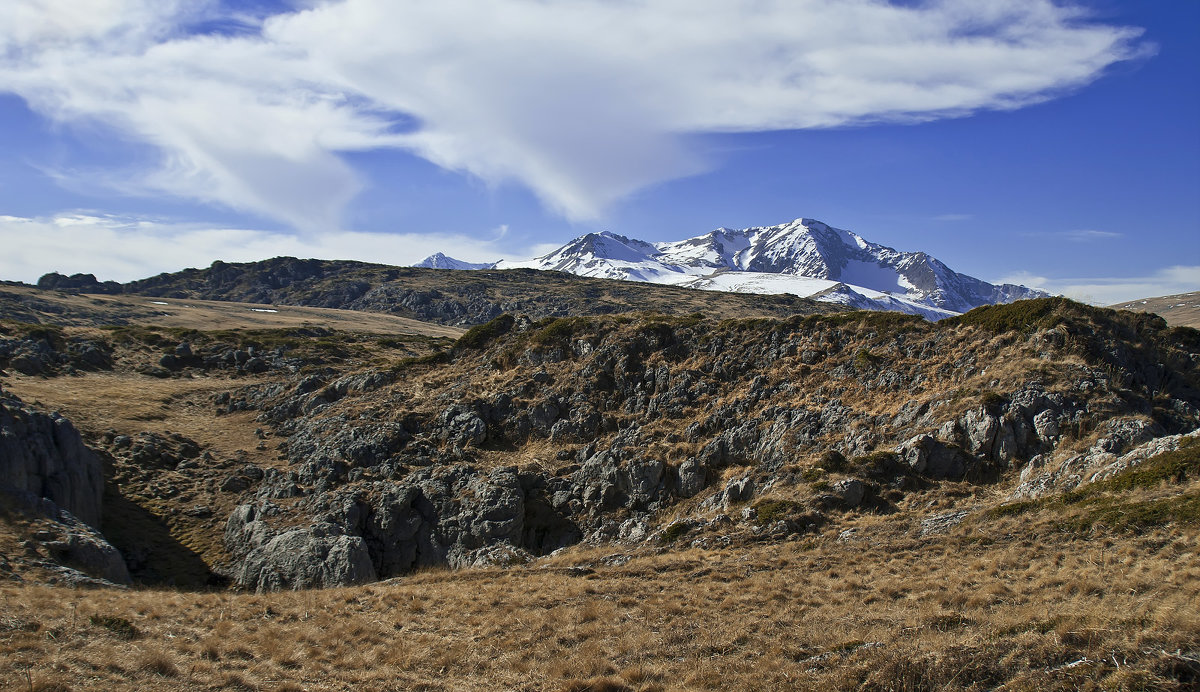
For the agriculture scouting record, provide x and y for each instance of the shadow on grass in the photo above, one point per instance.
(153, 555)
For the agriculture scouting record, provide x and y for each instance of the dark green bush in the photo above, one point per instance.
(832, 461)
(480, 336)
(771, 511)
(675, 531)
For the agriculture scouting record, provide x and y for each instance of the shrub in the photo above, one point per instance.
(878, 460)
(993, 402)
(832, 461)
(558, 330)
(675, 531)
(481, 335)
(865, 359)
(771, 511)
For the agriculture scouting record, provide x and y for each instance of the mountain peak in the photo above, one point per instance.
(441, 261)
(804, 256)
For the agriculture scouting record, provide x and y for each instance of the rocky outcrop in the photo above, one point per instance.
(77, 283)
(449, 516)
(307, 558)
(619, 420)
(43, 352)
(1123, 443)
(43, 454)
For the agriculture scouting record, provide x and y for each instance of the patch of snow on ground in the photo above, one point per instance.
(262, 310)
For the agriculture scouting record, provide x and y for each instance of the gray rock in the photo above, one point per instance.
(851, 491)
(739, 490)
(929, 456)
(44, 454)
(307, 558)
(463, 428)
(1112, 453)
(692, 477)
(1046, 425)
(941, 523)
(70, 542)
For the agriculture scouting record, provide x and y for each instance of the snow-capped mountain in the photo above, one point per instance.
(439, 261)
(804, 257)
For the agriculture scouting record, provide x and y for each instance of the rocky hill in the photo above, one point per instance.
(527, 436)
(624, 456)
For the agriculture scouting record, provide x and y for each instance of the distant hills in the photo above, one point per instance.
(1178, 309)
(460, 299)
(804, 257)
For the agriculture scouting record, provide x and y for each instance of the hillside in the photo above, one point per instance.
(644, 502)
(1179, 310)
(441, 296)
(38, 306)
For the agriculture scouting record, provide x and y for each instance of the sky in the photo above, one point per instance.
(1050, 143)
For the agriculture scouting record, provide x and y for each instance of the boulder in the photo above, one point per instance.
(851, 491)
(307, 558)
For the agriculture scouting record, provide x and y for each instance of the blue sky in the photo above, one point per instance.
(1051, 144)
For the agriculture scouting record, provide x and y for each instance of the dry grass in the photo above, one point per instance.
(1014, 607)
(206, 315)
(1179, 310)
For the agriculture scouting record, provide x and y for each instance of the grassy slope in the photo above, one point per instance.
(27, 304)
(1179, 310)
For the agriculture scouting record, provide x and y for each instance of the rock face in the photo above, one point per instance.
(82, 283)
(434, 517)
(1126, 442)
(43, 454)
(305, 558)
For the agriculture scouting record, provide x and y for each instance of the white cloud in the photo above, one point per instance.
(1078, 236)
(1088, 236)
(124, 249)
(1114, 290)
(584, 102)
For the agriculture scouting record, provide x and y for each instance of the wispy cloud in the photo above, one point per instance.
(124, 249)
(1077, 236)
(1114, 290)
(583, 102)
(1089, 236)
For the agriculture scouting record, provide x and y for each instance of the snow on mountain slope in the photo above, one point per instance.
(439, 261)
(804, 257)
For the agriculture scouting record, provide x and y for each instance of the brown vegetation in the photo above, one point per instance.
(1007, 603)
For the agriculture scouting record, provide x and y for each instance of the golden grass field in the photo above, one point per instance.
(1008, 603)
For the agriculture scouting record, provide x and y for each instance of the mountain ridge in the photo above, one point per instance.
(804, 257)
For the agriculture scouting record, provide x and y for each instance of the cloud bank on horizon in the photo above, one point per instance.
(583, 102)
